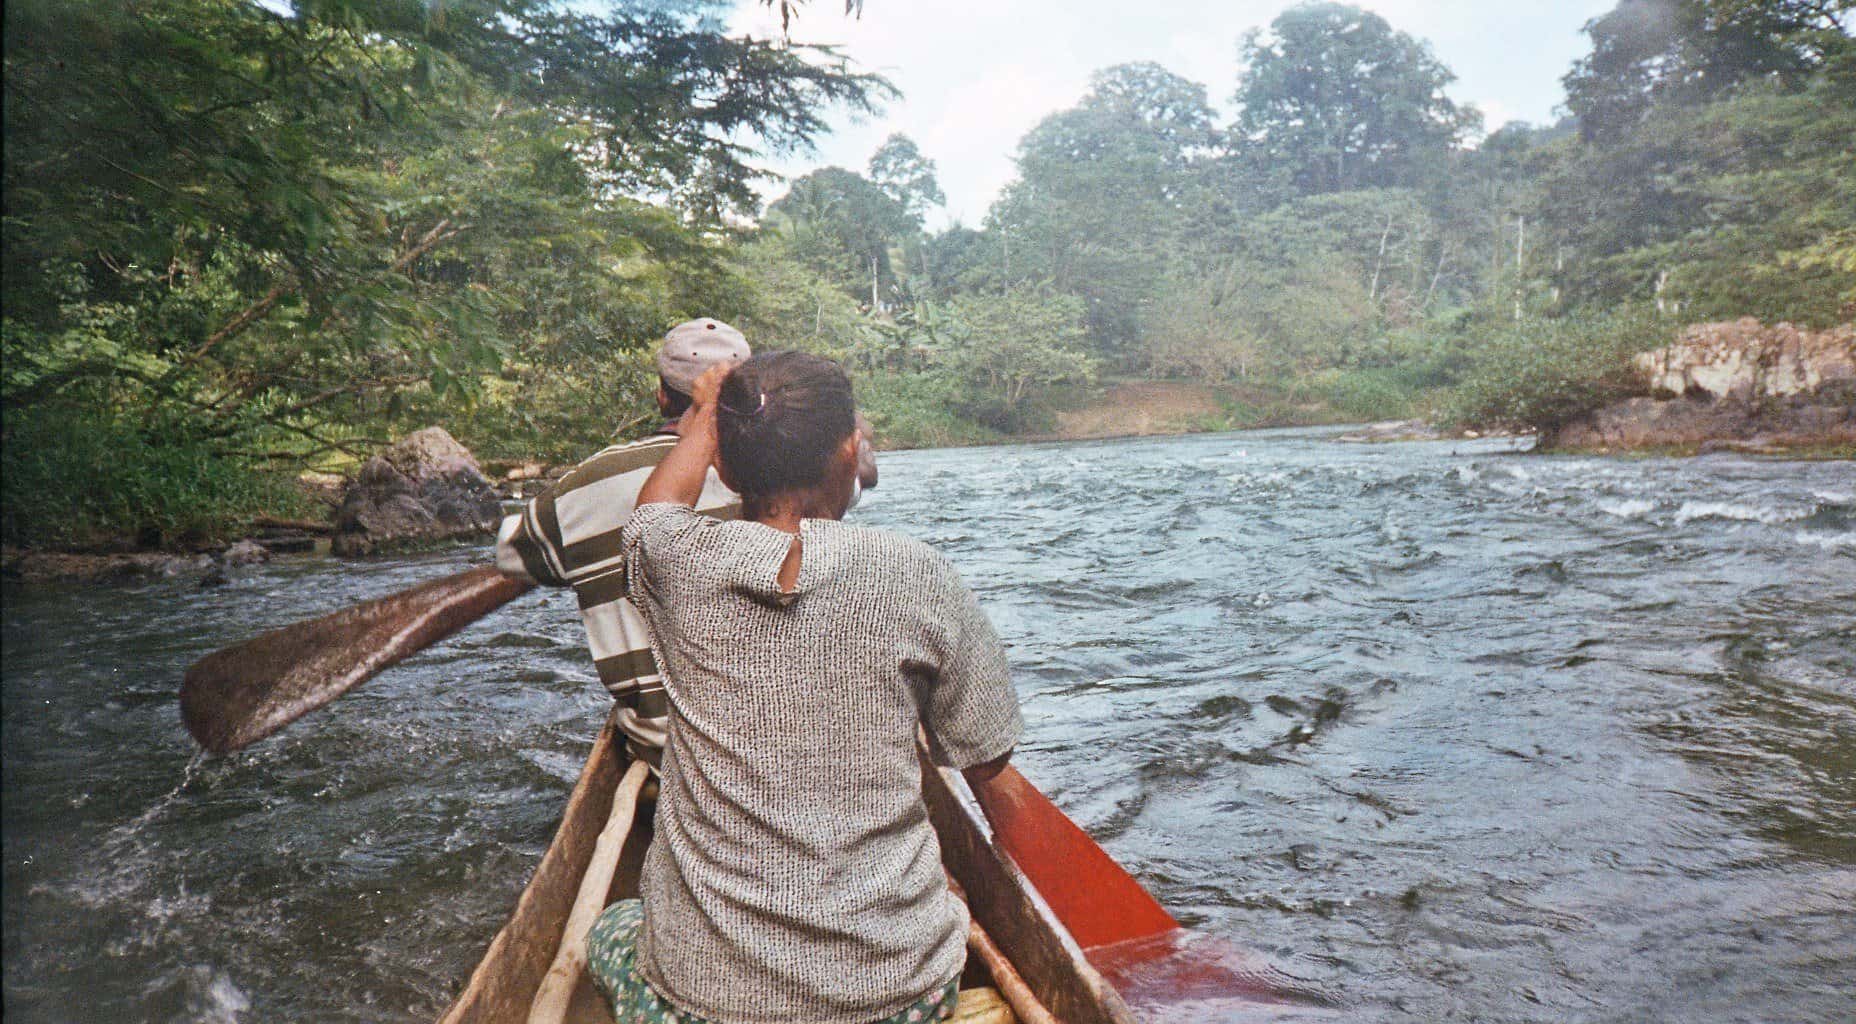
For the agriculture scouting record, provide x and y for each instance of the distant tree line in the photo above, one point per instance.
(1351, 236)
(243, 239)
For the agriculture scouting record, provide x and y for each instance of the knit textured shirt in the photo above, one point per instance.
(794, 875)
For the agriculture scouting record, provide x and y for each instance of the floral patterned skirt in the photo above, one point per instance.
(611, 957)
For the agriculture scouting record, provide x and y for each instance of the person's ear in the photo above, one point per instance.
(663, 400)
(728, 479)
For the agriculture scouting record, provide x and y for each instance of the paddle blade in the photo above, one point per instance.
(237, 696)
(1091, 894)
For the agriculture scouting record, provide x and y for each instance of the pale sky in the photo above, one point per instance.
(976, 75)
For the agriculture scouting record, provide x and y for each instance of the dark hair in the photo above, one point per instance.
(780, 417)
(676, 403)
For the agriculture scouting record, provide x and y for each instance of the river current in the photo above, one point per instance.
(1459, 733)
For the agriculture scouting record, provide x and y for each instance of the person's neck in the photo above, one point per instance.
(784, 511)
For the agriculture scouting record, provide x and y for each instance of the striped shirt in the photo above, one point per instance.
(569, 537)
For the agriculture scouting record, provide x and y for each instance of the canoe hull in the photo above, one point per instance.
(502, 987)
(504, 983)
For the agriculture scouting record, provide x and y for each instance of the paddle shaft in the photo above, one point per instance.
(237, 696)
(1005, 976)
(557, 987)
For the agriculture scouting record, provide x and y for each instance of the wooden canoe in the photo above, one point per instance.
(1003, 902)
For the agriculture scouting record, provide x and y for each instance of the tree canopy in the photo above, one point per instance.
(1340, 100)
(242, 238)
(1646, 52)
(270, 234)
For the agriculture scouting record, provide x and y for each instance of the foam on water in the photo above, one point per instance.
(1455, 734)
(1633, 508)
(1826, 541)
(1694, 510)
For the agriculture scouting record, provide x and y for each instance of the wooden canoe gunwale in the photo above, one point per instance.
(1001, 899)
(504, 983)
(1008, 906)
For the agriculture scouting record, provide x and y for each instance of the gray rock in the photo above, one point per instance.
(180, 565)
(423, 489)
(1827, 417)
(1736, 385)
(1392, 430)
(245, 552)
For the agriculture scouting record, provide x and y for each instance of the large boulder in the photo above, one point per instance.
(1746, 361)
(423, 489)
(1736, 383)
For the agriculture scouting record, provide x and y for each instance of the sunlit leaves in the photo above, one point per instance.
(280, 218)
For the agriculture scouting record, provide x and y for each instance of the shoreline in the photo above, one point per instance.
(1121, 410)
(1826, 451)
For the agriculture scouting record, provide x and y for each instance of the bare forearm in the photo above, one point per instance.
(981, 775)
(679, 478)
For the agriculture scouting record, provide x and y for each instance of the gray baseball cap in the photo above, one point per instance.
(695, 345)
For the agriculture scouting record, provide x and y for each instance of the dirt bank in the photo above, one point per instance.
(1146, 408)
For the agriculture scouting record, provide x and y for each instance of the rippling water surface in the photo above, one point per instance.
(1461, 733)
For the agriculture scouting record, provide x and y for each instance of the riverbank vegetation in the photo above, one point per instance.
(242, 240)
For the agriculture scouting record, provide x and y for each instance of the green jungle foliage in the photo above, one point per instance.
(276, 239)
(1543, 372)
(242, 240)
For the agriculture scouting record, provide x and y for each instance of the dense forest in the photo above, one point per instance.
(242, 239)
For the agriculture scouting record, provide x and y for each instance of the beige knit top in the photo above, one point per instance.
(794, 876)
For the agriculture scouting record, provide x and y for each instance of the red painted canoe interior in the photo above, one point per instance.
(1185, 977)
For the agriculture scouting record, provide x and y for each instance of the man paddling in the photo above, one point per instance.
(569, 535)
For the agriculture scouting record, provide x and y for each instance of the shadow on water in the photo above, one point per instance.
(1455, 733)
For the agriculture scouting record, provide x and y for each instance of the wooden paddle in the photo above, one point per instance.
(237, 696)
(557, 986)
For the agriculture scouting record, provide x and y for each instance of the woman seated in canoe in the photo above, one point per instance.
(794, 875)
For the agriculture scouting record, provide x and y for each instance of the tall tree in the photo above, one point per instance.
(899, 168)
(1333, 93)
(1102, 194)
(845, 226)
(1691, 51)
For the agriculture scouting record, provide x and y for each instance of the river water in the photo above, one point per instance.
(1456, 732)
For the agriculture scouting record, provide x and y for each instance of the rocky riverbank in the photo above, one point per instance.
(423, 490)
(1733, 386)
(1736, 385)
(210, 566)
